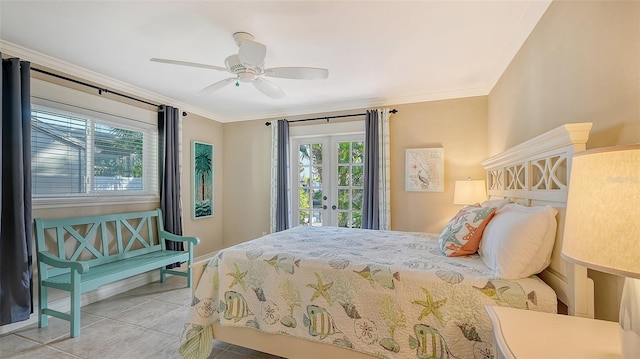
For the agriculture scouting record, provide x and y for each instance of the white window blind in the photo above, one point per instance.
(81, 153)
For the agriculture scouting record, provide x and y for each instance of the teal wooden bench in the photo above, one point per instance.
(79, 255)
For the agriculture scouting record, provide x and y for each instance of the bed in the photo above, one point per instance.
(320, 292)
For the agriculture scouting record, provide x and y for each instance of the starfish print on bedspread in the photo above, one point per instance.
(430, 306)
(320, 289)
(238, 277)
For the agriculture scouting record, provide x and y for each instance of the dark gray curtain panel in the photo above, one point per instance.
(16, 274)
(371, 200)
(282, 196)
(168, 132)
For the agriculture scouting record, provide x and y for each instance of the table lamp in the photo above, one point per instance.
(602, 226)
(469, 192)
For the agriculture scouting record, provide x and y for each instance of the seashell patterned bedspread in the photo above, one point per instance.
(385, 293)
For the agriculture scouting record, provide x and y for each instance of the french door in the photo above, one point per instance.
(327, 180)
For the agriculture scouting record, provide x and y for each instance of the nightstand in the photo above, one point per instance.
(524, 334)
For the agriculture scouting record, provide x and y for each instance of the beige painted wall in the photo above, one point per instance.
(208, 229)
(580, 64)
(460, 126)
(247, 177)
(91, 210)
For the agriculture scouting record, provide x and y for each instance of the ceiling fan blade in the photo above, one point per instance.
(252, 53)
(268, 88)
(217, 86)
(189, 64)
(303, 73)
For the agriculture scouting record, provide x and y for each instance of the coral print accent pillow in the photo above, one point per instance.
(462, 235)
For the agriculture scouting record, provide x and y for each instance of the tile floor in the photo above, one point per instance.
(145, 322)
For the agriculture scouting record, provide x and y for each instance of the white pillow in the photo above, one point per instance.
(518, 241)
(498, 203)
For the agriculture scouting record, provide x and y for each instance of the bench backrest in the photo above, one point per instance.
(100, 239)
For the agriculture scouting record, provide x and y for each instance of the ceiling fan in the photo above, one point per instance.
(248, 66)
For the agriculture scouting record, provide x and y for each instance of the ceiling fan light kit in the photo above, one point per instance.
(248, 66)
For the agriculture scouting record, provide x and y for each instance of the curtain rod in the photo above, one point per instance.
(100, 89)
(329, 117)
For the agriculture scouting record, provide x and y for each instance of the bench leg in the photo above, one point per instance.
(163, 275)
(189, 276)
(43, 319)
(75, 305)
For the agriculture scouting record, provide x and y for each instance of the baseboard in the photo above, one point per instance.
(207, 257)
(105, 291)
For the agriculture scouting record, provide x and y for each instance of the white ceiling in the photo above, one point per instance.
(378, 53)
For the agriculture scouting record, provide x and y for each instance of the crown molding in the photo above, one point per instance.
(360, 104)
(91, 76)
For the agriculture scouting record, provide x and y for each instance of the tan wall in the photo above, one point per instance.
(208, 229)
(580, 64)
(460, 126)
(247, 177)
(91, 210)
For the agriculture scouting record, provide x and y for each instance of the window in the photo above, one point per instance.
(82, 153)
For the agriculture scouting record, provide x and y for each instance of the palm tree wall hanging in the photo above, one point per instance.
(202, 175)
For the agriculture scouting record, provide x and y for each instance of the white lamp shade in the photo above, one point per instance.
(469, 192)
(602, 224)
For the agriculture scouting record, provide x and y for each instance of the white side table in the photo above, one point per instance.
(524, 334)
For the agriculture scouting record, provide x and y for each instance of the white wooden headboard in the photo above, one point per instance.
(536, 172)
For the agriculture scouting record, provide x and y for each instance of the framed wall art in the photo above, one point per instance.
(202, 179)
(424, 170)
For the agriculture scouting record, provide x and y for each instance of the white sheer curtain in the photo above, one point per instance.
(384, 184)
(274, 176)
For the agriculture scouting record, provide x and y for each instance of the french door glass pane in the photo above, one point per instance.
(357, 152)
(316, 218)
(343, 219)
(316, 172)
(317, 198)
(303, 218)
(357, 219)
(304, 198)
(344, 152)
(317, 153)
(343, 199)
(310, 184)
(356, 199)
(303, 155)
(343, 175)
(304, 176)
(357, 174)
